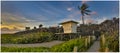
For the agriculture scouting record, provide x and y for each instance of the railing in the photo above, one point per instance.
(87, 42)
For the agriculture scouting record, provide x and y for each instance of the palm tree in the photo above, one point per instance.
(83, 9)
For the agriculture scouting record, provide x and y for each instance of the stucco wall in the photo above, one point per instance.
(70, 27)
(74, 28)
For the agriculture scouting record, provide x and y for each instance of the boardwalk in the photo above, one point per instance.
(46, 44)
(95, 47)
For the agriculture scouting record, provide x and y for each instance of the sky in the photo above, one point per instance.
(16, 15)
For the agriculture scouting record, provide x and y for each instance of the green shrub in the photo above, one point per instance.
(111, 42)
(68, 46)
(28, 49)
(36, 37)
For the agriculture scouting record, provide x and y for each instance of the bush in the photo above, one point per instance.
(111, 42)
(36, 37)
(69, 46)
(28, 49)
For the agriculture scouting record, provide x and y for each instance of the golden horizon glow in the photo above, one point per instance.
(12, 27)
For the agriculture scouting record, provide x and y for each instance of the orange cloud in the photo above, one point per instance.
(12, 27)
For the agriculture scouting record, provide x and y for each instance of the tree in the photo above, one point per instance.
(83, 9)
(40, 25)
(35, 27)
(27, 28)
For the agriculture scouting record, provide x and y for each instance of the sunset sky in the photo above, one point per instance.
(18, 14)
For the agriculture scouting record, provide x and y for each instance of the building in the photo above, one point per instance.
(69, 26)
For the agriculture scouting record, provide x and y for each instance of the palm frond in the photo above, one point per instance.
(84, 6)
(87, 13)
(87, 10)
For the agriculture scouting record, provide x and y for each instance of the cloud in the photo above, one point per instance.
(10, 18)
(74, 16)
(69, 9)
(5, 30)
(84, 1)
(89, 21)
(53, 11)
(100, 20)
(13, 22)
(11, 28)
(93, 13)
(41, 18)
(29, 20)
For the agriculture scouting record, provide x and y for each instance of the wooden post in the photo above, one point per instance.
(106, 49)
(58, 37)
(86, 42)
(61, 37)
(75, 49)
(80, 36)
(103, 40)
(93, 38)
(89, 39)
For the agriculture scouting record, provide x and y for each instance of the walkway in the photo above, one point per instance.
(45, 44)
(95, 47)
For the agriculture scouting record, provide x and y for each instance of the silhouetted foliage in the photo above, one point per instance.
(84, 11)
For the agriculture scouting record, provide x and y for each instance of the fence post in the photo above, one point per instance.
(80, 36)
(106, 49)
(89, 39)
(86, 42)
(75, 49)
(103, 41)
(93, 38)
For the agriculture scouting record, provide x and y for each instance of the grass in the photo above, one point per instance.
(67, 46)
(36, 37)
(27, 49)
(111, 42)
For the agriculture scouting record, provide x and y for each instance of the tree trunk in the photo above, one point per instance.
(83, 19)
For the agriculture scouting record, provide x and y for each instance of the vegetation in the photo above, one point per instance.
(26, 38)
(28, 49)
(110, 42)
(69, 45)
(84, 10)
